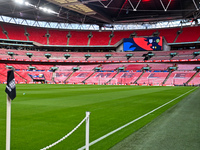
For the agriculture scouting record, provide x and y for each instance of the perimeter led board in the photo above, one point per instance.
(143, 44)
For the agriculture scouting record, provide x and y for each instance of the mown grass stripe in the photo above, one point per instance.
(120, 128)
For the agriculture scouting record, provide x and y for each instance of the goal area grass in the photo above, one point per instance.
(42, 114)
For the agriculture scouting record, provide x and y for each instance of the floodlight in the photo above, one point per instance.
(27, 3)
(19, 1)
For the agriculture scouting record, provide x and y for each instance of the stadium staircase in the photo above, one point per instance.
(4, 31)
(167, 77)
(192, 77)
(178, 33)
(20, 76)
(135, 82)
(69, 76)
(113, 77)
(89, 77)
(198, 39)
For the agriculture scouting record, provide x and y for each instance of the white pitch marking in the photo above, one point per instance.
(118, 129)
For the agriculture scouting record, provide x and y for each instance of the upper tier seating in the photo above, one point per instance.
(119, 35)
(58, 37)
(15, 32)
(79, 38)
(100, 38)
(189, 34)
(145, 32)
(37, 35)
(2, 35)
(169, 34)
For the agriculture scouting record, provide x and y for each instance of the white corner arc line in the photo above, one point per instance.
(118, 129)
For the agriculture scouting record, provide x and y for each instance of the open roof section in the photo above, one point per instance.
(120, 14)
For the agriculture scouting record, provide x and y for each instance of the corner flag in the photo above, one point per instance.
(11, 94)
(10, 88)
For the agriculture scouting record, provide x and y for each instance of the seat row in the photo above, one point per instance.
(70, 37)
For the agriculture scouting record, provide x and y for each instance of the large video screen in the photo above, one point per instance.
(143, 44)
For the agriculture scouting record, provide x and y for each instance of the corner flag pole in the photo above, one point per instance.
(8, 123)
(11, 94)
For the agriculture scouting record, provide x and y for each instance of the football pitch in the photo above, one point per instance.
(42, 114)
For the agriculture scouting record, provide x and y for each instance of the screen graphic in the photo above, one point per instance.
(143, 44)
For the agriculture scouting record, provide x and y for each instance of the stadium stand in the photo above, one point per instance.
(189, 34)
(61, 76)
(134, 67)
(2, 35)
(144, 33)
(2, 66)
(119, 35)
(65, 67)
(195, 80)
(19, 66)
(157, 78)
(79, 76)
(125, 77)
(24, 75)
(15, 34)
(169, 34)
(2, 78)
(37, 35)
(182, 67)
(42, 67)
(79, 37)
(179, 77)
(58, 37)
(87, 67)
(160, 66)
(110, 67)
(100, 38)
(100, 78)
(143, 80)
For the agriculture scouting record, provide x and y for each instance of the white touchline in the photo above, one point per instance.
(112, 132)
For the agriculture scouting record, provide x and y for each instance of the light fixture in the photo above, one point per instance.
(19, 1)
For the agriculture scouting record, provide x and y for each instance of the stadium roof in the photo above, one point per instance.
(101, 12)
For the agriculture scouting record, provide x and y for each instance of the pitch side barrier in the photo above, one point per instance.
(86, 119)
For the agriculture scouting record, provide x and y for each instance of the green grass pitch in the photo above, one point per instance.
(48, 112)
